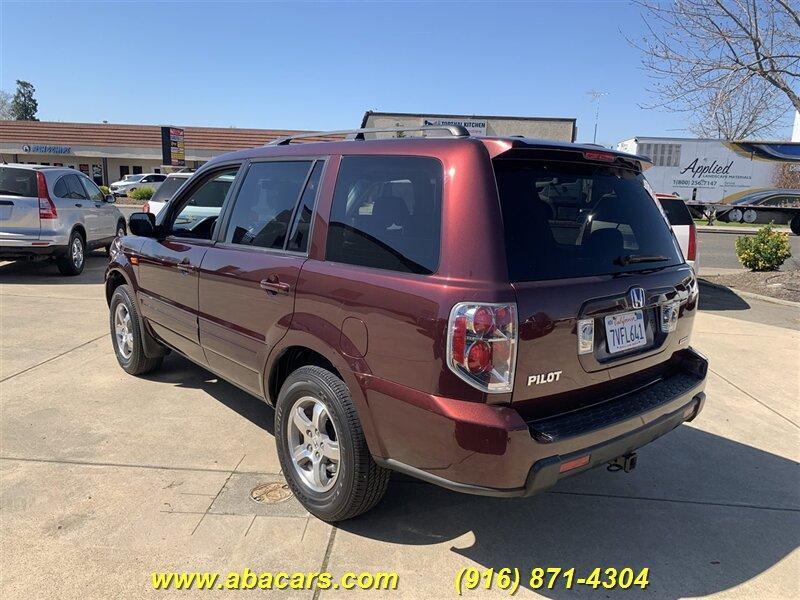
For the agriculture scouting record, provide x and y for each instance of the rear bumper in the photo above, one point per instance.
(18, 249)
(491, 451)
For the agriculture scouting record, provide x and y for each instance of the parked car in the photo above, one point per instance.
(486, 314)
(56, 213)
(134, 182)
(166, 190)
(683, 225)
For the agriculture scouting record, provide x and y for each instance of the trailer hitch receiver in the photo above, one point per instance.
(626, 462)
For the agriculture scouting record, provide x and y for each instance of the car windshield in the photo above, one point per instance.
(566, 219)
(167, 189)
(18, 182)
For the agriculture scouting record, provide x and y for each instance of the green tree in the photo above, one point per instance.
(24, 105)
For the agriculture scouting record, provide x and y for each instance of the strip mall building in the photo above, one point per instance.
(107, 152)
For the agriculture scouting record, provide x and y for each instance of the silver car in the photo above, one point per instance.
(54, 212)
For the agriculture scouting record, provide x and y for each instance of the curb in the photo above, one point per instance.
(734, 230)
(769, 299)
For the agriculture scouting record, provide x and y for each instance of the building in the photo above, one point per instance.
(708, 170)
(107, 152)
(545, 128)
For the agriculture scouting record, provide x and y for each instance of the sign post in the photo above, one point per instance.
(173, 151)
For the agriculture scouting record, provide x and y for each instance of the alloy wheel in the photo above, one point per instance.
(76, 252)
(123, 331)
(313, 444)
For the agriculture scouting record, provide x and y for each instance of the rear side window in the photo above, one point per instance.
(166, 190)
(387, 213)
(18, 182)
(566, 219)
(676, 211)
(263, 209)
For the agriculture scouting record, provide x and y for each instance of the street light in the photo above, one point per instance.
(595, 95)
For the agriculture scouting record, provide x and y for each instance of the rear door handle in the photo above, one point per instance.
(79, 205)
(185, 267)
(274, 286)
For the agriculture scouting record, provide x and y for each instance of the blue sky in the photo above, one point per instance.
(321, 65)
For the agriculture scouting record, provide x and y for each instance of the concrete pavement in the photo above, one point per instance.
(105, 478)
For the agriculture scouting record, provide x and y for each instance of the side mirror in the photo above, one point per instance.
(110, 198)
(143, 224)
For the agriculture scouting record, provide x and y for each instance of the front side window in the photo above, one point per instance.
(387, 213)
(92, 190)
(301, 226)
(264, 205)
(566, 219)
(199, 213)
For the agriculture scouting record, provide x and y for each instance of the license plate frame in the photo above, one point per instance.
(625, 331)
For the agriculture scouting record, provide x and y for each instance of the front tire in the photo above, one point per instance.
(126, 334)
(322, 449)
(120, 233)
(74, 260)
(794, 224)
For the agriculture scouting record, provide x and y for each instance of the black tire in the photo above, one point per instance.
(121, 230)
(70, 263)
(360, 483)
(137, 363)
(794, 224)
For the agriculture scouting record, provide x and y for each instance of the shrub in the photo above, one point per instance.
(105, 189)
(142, 193)
(764, 251)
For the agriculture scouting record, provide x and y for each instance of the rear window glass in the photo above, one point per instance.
(676, 211)
(387, 213)
(167, 189)
(576, 220)
(18, 182)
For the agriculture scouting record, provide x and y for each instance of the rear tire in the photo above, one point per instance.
(357, 483)
(126, 334)
(74, 260)
(794, 224)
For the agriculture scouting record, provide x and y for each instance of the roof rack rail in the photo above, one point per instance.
(358, 134)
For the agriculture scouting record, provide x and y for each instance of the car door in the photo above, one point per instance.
(248, 279)
(75, 199)
(107, 214)
(168, 266)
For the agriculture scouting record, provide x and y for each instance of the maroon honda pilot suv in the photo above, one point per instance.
(486, 314)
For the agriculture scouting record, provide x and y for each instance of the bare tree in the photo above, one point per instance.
(5, 106)
(732, 64)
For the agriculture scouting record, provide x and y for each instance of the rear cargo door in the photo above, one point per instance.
(19, 205)
(587, 247)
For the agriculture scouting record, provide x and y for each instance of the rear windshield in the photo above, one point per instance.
(18, 182)
(676, 211)
(167, 189)
(566, 219)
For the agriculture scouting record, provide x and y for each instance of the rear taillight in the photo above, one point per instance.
(482, 345)
(692, 250)
(47, 210)
(146, 207)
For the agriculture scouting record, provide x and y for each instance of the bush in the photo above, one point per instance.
(105, 189)
(142, 193)
(764, 251)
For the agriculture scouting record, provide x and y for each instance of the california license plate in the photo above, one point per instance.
(625, 331)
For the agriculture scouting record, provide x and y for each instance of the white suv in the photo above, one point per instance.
(133, 182)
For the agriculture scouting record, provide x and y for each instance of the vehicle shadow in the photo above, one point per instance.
(714, 297)
(183, 373)
(46, 272)
(704, 513)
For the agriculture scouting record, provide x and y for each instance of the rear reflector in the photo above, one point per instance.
(597, 155)
(574, 463)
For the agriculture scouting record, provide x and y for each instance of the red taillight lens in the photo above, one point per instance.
(146, 207)
(481, 345)
(692, 251)
(597, 155)
(47, 210)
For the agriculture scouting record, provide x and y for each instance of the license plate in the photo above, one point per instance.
(625, 331)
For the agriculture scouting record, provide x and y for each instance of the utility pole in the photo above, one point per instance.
(595, 95)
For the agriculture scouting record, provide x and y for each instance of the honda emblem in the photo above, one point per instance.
(636, 296)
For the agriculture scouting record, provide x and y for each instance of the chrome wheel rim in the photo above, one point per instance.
(313, 444)
(77, 252)
(121, 232)
(123, 332)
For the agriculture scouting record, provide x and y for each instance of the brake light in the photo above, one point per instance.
(146, 207)
(482, 345)
(47, 210)
(691, 253)
(597, 155)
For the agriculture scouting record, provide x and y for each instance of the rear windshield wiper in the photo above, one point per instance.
(629, 259)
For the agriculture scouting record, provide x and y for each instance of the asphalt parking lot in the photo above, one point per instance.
(105, 478)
